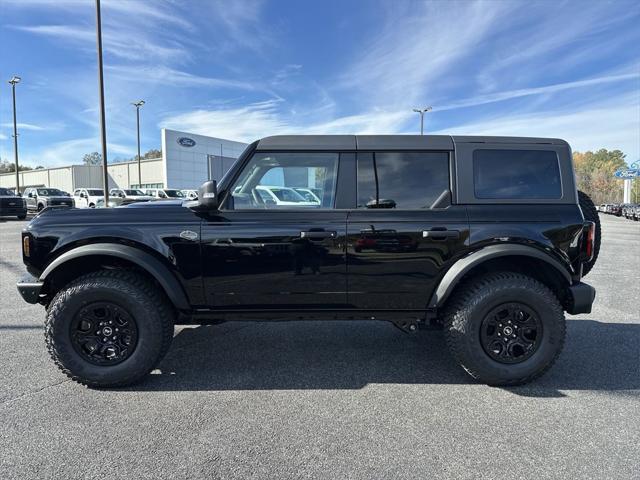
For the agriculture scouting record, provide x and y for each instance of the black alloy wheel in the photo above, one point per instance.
(104, 333)
(511, 333)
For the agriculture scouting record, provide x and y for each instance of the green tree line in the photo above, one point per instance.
(594, 174)
(8, 167)
(95, 158)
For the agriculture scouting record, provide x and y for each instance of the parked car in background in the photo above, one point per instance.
(616, 209)
(165, 194)
(636, 212)
(38, 198)
(130, 194)
(87, 197)
(190, 194)
(283, 196)
(308, 194)
(628, 210)
(11, 205)
(113, 202)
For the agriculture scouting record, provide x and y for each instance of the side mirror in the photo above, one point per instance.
(30, 195)
(208, 195)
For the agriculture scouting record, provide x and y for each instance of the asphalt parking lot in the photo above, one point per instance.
(329, 399)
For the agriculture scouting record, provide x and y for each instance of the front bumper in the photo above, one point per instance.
(581, 298)
(29, 288)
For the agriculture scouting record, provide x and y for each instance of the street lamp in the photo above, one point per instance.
(422, 111)
(14, 81)
(103, 127)
(138, 104)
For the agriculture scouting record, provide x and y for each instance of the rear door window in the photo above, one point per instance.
(403, 180)
(516, 174)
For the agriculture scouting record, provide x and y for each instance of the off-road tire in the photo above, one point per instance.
(474, 299)
(591, 214)
(153, 314)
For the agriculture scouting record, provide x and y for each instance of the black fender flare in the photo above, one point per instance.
(144, 260)
(465, 264)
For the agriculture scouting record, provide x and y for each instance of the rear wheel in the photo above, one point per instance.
(108, 328)
(591, 214)
(504, 328)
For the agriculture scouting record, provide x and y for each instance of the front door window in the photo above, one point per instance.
(287, 180)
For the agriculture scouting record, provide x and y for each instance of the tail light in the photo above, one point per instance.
(590, 240)
(26, 244)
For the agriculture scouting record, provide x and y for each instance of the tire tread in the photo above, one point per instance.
(464, 298)
(114, 278)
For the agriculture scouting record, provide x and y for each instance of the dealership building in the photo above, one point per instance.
(187, 161)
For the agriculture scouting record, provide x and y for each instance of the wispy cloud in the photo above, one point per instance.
(241, 24)
(418, 46)
(613, 124)
(545, 90)
(22, 126)
(69, 152)
(247, 123)
(172, 76)
(117, 42)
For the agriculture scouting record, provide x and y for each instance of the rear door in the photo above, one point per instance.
(405, 230)
(259, 254)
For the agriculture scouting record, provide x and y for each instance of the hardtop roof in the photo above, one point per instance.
(388, 142)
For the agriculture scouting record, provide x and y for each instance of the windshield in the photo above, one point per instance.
(6, 191)
(95, 192)
(134, 192)
(174, 193)
(49, 192)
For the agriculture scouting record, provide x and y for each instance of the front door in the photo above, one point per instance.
(30, 197)
(404, 230)
(273, 247)
(81, 199)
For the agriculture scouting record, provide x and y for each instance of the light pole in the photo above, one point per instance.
(138, 104)
(14, 81)
(422, 111)
(103, 130)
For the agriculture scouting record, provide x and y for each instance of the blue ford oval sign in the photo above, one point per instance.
(628, 173)
(187, 142)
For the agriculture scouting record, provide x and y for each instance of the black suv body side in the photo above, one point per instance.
(400, 223)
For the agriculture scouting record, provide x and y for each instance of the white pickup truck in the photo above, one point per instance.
(87, 197)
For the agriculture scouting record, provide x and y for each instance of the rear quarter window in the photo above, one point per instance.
(516, 174)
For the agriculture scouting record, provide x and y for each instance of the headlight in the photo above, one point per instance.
(24, 202)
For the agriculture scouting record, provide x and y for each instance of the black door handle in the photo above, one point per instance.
(441, 234)
(317, 234)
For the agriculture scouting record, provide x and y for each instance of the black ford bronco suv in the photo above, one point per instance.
(484, 237)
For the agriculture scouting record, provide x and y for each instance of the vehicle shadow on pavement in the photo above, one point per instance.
(350, 355)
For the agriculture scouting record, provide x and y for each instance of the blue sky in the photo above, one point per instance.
(246, 69)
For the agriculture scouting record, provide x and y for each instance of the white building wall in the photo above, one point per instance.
(187, 166)
(122, 175)
(180, 167)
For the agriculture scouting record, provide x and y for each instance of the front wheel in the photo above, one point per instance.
(108, 328)
(504, 328)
